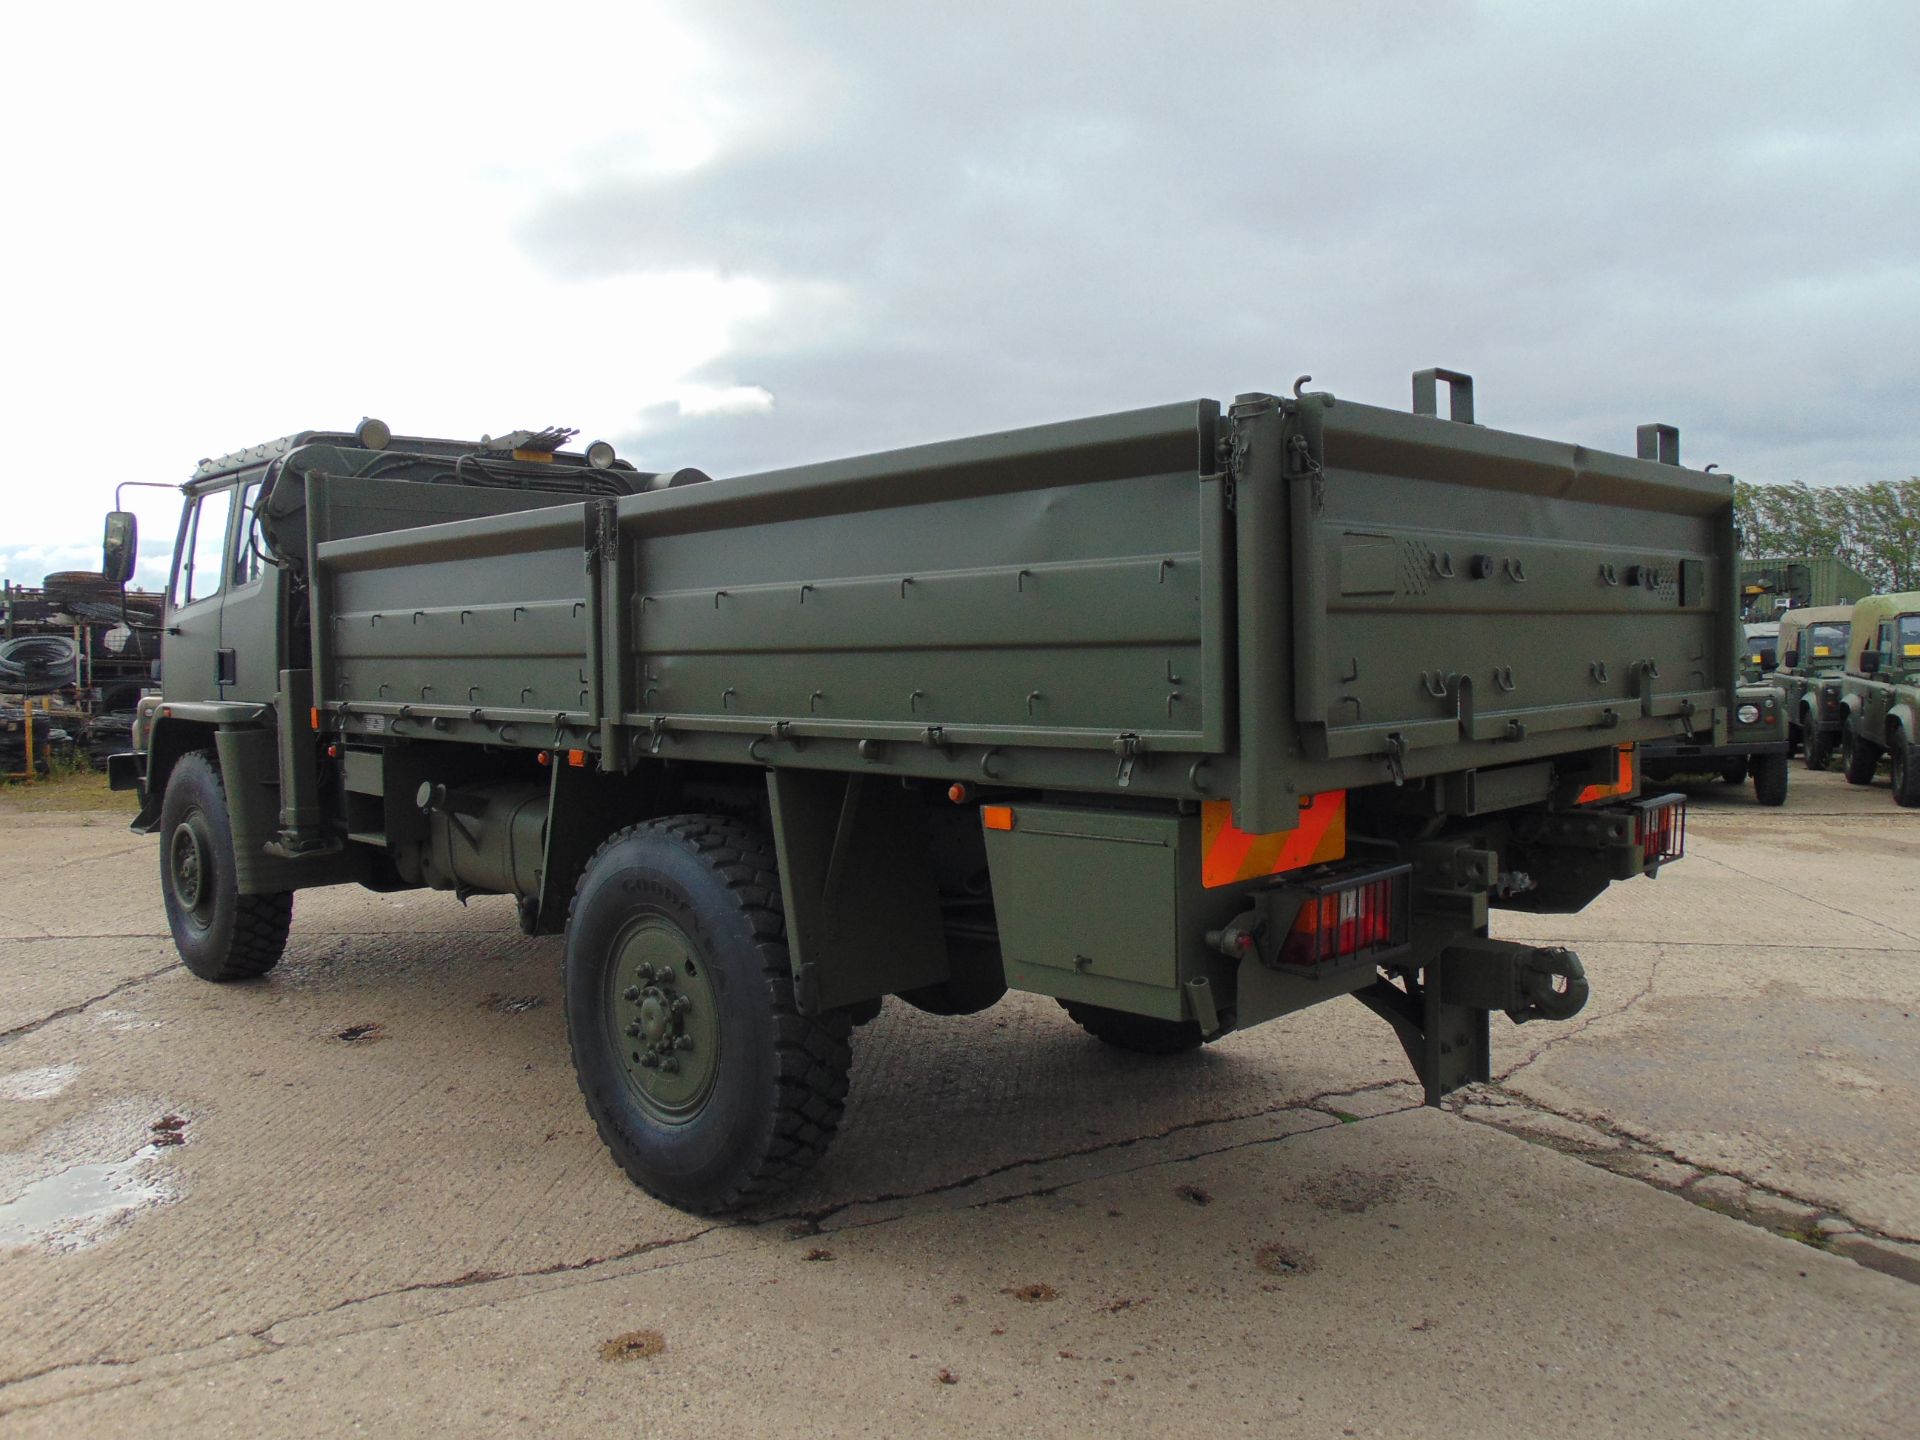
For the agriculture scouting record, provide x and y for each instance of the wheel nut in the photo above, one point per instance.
(633, 1028)
(649, 1060)
(665, 975)
(645, 972)
(633, 992)
(683, 1042)
(681, 1004)
(669, 1065)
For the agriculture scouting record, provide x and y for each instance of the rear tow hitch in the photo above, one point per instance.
(1440, 1014)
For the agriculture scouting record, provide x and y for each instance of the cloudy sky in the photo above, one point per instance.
(735, 235)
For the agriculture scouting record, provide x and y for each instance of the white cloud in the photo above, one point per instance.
(735, 235)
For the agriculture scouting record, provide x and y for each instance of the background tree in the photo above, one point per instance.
(1875, 527)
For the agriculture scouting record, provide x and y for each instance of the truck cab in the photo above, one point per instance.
(1880, 693)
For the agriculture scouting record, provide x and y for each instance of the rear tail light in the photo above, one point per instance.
(1350, 917)
(1660, 829)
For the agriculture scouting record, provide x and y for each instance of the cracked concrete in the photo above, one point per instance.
(1690, 1210)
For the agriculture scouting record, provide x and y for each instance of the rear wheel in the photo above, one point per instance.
(1859, 756)
(1906, 771)
(220, 933)
(1770, 779)
(706, 1082)
(1142, 1034)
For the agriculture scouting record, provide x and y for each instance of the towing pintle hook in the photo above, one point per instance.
(1529, 982)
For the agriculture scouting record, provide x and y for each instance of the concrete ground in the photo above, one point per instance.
(363, 1194)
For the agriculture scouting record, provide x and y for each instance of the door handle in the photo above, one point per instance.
(224, 666)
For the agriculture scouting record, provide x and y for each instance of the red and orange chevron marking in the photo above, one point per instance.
(1229, 855)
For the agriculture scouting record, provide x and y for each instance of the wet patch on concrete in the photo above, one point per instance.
(42, 1083)
(512, 1004)
(83, 1181)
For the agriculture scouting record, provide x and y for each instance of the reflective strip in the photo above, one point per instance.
(1622, 783)
(1229, 854)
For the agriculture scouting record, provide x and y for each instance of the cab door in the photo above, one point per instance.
(193, 666)
(1879, 698)
(249, 612)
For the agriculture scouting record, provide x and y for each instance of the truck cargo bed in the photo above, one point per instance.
(1292, 597)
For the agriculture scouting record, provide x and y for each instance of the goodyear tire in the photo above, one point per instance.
(1142, 1034)
(710, 1088)
(1770, 779)
(1860, 757)
(220, 934)
(1906, 772)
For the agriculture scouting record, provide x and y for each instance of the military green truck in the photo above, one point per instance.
(1880, 693)
(1813, 652)
(1189, 717)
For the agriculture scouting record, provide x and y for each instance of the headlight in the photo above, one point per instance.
(1747, 714)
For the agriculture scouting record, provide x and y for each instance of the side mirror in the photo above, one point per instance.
(120, 549)
(1792, 659)
(1869, 662)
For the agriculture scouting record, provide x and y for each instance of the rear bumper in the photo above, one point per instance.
(1674, 755)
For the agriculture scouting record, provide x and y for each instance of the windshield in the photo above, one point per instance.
(1824, 646)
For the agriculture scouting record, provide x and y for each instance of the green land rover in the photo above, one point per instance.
(1880, 693)
(1813, 653)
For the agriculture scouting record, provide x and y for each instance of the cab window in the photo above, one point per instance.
(1825, 641)
(203, 555)
(246, 550)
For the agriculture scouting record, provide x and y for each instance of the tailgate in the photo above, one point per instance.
(1456, 588)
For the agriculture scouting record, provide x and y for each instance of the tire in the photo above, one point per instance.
(729, 1098)
(1819, 748)
(1861, 757)
(1770, 774)
(1906, 772)
(1142, 1034)
(221, 934)
(1734, 772)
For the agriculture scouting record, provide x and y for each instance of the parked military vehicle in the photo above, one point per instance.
(1189, 717)
(1755, 747)
(1760, 655)
(1880, 693)
(1813, 654)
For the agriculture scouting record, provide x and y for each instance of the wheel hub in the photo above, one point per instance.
(189, 866)
(665, 1020)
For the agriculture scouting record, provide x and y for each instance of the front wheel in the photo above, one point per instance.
(220, 933)
(1819, 748)
(706, 1082)
(1860, 757)
(1906, 772)
(1770, 779)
